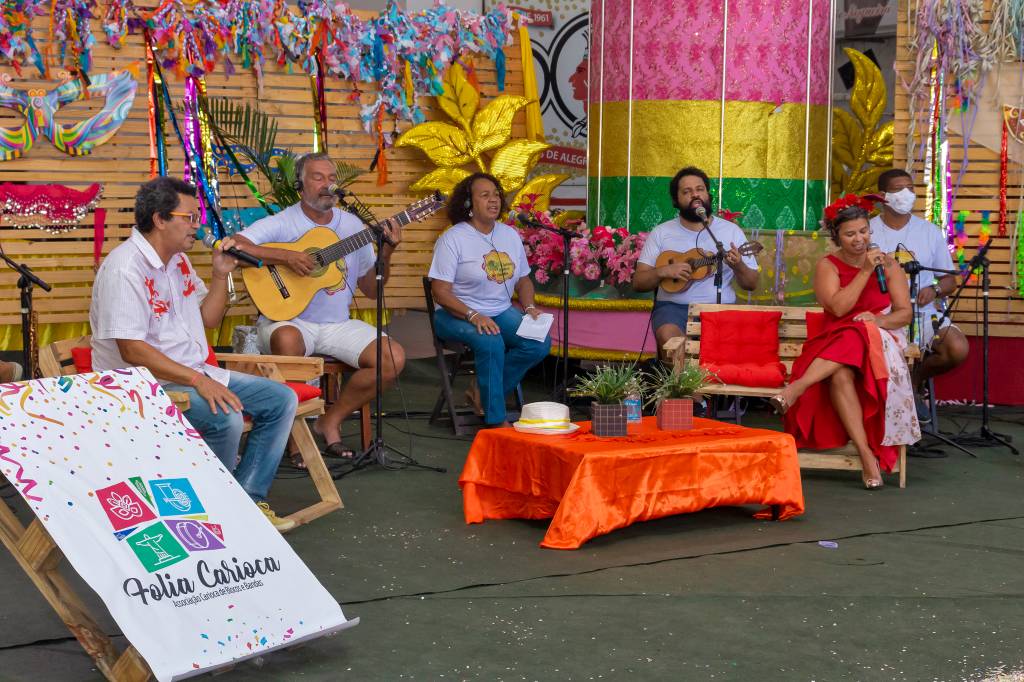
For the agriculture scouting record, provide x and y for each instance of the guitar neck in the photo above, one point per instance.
(342, 248)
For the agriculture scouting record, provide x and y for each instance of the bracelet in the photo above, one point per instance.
(938, 289)
(470, 315)
(530, 306)
(195, 379)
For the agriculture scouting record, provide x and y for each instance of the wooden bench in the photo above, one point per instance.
(792, 334)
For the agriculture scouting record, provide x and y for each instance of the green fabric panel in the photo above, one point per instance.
(765, 203)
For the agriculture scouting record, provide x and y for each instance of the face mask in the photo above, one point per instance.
(901, 202)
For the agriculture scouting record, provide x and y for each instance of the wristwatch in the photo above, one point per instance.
(938, 289)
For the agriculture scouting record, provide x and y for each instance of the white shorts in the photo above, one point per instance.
(343, 340)
(927, 334)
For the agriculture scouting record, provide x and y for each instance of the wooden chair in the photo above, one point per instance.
(38, 555)
(792, 334)
(454, 358)
(56, 360)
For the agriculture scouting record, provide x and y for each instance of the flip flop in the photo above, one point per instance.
(296, 460)
(339, 450)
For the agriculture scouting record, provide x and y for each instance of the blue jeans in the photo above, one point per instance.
(502, 360)
(272, 408)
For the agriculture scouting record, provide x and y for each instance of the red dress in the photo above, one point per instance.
(813, 421)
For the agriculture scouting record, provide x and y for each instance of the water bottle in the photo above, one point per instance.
(632, 403)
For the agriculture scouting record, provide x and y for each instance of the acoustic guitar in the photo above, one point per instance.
(281, 294)
(701, 263)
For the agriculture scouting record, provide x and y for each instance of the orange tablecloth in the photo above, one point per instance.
(590, 486)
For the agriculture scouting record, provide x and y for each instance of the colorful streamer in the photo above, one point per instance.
(960, 239)
(392, 50)
(1003, 170)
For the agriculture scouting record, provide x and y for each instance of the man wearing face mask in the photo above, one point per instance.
(689, 189)
(906, 237)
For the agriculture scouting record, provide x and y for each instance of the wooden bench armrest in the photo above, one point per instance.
(290, 367)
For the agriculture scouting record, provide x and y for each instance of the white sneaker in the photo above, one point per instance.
(282, 525)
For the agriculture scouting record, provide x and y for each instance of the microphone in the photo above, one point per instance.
(212, 242)
(337, 191)
(525, 218)
(879, 272)
(701, 213)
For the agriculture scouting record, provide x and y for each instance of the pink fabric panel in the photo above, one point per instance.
(678, 50)
(599, 329)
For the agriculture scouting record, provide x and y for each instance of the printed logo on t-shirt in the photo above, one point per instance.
(498, 266)
(902, 256)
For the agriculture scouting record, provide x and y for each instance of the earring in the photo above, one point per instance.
(470, 213)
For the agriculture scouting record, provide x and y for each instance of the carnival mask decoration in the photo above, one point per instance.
(39, 107)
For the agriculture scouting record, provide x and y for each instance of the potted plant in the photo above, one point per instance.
(609, 386)
(672, 390)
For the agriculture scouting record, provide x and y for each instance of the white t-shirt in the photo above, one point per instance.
(924, 240)
(290, 225)
(136, 297)
(672, 236)
(483, 268)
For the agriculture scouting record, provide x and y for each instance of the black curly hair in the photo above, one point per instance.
(461, 200)
(846, 215)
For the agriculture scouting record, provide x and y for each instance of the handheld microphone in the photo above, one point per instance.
(212, 242)
(879, 272)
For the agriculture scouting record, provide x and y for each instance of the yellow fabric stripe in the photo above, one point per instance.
(761, 140)
(534, 122)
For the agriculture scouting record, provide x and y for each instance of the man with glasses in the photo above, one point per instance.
(150, 309)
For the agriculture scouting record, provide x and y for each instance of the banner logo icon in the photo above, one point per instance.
(130, 507)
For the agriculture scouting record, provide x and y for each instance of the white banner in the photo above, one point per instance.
(192, 572)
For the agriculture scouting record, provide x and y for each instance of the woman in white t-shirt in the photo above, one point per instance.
(478, 264)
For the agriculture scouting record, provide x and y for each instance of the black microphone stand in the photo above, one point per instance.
(985, 436)
(912, 268)
(561, 393)
(719, 259)
(25, 283)
(378, 452)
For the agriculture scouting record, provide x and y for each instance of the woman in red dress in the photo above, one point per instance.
(846, 373)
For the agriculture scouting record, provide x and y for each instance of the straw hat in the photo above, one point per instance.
(546, 418)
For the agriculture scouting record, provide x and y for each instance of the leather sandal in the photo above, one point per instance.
(340, 450)
(873, 483)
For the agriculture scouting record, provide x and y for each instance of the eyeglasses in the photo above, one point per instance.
(194, 218)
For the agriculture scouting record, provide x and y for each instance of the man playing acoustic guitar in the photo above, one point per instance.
(687, 233)
(325, 327)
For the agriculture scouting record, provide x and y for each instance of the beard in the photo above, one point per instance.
(321, 202)
(690, 212)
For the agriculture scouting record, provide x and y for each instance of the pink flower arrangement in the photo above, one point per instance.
(602, 253)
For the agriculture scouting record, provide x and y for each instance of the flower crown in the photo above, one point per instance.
(866, 202)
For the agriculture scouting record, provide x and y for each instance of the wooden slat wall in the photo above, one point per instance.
(123, 163)
(979, 191)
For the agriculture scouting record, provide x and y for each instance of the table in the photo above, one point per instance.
(589, 486)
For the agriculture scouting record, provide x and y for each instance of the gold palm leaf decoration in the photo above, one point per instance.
(861, 148)
(481, 137)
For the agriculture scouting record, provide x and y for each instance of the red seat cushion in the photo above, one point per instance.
(303, 391)
(742, 347)
(82, 358)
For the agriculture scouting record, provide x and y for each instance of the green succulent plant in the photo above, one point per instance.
(609, 384)
(665, 383)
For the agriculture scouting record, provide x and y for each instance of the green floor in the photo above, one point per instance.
(925, 583)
